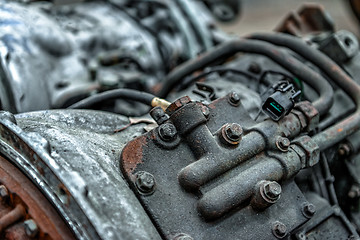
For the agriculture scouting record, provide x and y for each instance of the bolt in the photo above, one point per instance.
(234, 98)
(254, 68)
(206, 112)
(233, 132)
(282, 143)
(354, 192)
(279, 230)
(167, 131)
(309, 209)
(272, 190)
(4, 193)
(182, 236)
(344, 150)
(31, 228)
(145, 182)
(159, 115)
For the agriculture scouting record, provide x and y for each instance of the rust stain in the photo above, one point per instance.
(340, 130)
(132, 154)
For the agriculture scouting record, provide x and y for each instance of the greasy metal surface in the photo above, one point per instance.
(64, 52)
(85, 204)
(168, 204)
(50, 223)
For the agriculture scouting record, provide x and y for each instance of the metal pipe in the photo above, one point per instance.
(235, 191)
(12, 217)
(337, 132)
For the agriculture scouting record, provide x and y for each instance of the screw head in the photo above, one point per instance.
(232, 133)
(4, 193)
(279, 230)
(234, 98)
(159, 115)
(182, 236)
(272, 190)
(167, 131)
(31, 228)
(145, 182)
(344, 150)
(310, 209)
(282, 143)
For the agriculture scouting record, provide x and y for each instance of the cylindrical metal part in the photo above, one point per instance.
(13, 216)
(230, 194)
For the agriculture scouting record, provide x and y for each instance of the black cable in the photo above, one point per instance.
(218, 69)
(329, 179)
(341, 130)
(127, 94)
(284, 59)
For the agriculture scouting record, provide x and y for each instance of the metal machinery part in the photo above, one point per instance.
(210, 165)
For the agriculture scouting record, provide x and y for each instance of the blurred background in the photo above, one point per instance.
(265, 15)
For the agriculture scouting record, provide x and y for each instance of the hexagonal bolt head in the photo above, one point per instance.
(4, 193)
(310, 148)
(310, 113)
(167, 131)
(272, 190)
(31, 228)
(182, 236)
(279, 230)
(282, 143)
(158, 115)
(232, 133)
(344, 150)
(145, 182)
(234, 98)
(309, 209)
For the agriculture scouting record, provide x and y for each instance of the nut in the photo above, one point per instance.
(311, 114)
(310, 148)
(31, 228)
(145, 182)
(279, 230)
(282, 143)
(232, 133)
(308, 209)
(344, 150)
(234, 98)
(182, 236)
(159, 115)
(272, 190)
(167, 131)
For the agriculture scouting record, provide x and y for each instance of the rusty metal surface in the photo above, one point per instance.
(311, 18)
(25, 194)
(218, 186)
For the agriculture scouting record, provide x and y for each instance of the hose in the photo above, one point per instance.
(228, 49)
(123, 93)
(337, 132)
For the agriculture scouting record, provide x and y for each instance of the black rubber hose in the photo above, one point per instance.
(348, 126)
(228, 49)
(123, 93)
